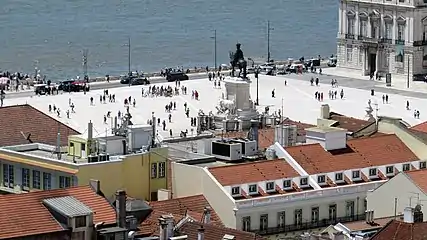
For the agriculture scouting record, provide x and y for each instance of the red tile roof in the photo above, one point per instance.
(253, 172)
(419, 177)
(193, 206)
(364, 226)
(397, 230)
(422, 127)
(16, 121)
(349, 123)
(25, 215)
(212, 232)
(360, 153)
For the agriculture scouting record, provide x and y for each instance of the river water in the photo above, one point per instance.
(51, 34)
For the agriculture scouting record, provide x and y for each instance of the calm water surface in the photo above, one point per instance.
(52, 34)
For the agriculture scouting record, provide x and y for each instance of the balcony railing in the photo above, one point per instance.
(309, 225)
(385, 40)
(420, 43)
(349, 36)
(399, 42)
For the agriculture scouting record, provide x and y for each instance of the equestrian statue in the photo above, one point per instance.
(237, 60)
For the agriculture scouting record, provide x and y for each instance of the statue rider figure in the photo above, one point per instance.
(239, 61)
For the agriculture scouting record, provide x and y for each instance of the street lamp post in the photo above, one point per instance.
(214, 38)
(257, 70)
(268, 40)
(129, 72)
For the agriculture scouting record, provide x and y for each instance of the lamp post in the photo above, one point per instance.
(214, 38)
(268, 40)
(257, 70)
(129, 57)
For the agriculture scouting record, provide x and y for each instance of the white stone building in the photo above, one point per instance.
(383, 36)
(311, 186)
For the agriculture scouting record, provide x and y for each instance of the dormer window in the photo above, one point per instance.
(356, 174)
(389, 170)
(80, 221)
(269, 186)
(303, 181)
(406, 167)
(373, 172)
(287, 184)
(321, 179)
(235, 190)
(253, 188)
(338, 177)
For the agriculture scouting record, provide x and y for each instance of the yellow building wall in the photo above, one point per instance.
(76, 150)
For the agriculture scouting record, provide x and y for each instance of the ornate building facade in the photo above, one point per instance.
(383, 36)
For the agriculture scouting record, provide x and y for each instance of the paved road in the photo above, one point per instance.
(102, 85)
(356, 83)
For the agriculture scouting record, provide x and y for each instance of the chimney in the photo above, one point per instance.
(163, 226)
(168, 220)
(121, 208)
(58, 145)
(324, 111)
(408, 215)
(201, 233)
(207, 215)
(95, 185)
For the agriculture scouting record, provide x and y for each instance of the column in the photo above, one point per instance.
(356, 31)
(394, 32)
(364, 60)
(340, 21)
(377, 60)
(369, 27)
(381, 27)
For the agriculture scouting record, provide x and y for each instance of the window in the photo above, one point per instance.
(388, 30)
(287, 184)
(253, 188)
(338, 177)
(349, 53)
(71, 144)
(80, 221)
(154, 170)
(64, 182)
(321, 179)
(401, 32)
(36, 179)
(83, 147)
(389, 170)
(26, 178)
(246, 226)
(303, 181)
(349, 209)
(8, 175)
(423, 165)
(315, 215)
(235, 190)
(281, 217)
(350, 25)
(406, 167)
(374, 29)
(333, 212)
(363, 31)
(361, 56)
(269, 186)
(298, 217)
(162, 169)
(373, 172)
(263, 222)
(47, 181)
(356, 174)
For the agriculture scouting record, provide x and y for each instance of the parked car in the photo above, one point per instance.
(65, 85)
(174, 76)
(332, 62)
(140, 81)
(126, 79)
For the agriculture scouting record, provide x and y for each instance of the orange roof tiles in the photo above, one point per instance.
(422, 127)
(397, 230)
(25, 119)
(419, 177)
(25, 215)
(360, 153)
(349, 123)
(212, 232)
(253, 172)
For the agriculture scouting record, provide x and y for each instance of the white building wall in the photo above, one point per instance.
(382, 200)
(191, 180)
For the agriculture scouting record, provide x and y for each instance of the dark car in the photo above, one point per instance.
(65, 85)
(126, 79)
(140, 81)
(174, 76)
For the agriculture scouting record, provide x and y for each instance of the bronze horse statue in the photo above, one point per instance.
(237, 60)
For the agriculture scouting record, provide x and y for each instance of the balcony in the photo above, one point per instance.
(420, 43)
(399, 42)
(367, 39)
(349, 36)
(385, 40)
(309, 225)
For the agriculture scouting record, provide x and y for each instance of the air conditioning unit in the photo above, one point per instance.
(226, 150)
(249, 147)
